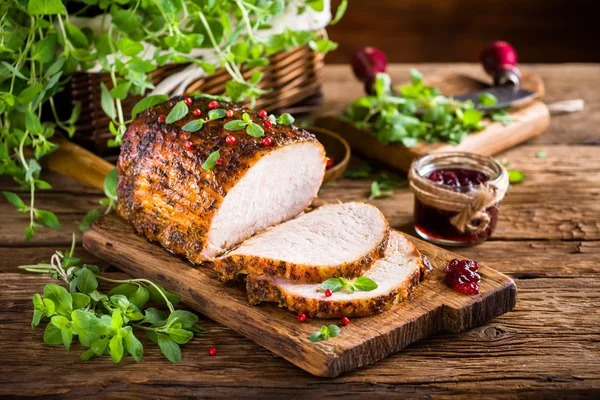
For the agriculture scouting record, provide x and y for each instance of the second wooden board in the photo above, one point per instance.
(529, 120)
(433, 307)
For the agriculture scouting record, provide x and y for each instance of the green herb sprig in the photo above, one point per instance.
(363, 283)
(419, 113)
(325, 333)
(105, 323)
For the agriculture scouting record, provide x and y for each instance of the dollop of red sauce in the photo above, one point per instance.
(462, 276)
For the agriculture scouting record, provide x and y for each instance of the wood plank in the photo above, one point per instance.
(548, 345)
(433, 308)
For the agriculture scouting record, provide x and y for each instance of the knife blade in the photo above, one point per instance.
(507, 95)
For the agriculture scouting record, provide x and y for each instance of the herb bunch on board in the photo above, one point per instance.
(41, 46)
(418, 113)
(107, 323)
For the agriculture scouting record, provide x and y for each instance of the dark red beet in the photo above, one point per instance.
(367, 62)
(461, 276)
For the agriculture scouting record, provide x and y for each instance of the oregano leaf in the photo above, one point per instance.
(179, 111)
(211, 161)
(193, 126)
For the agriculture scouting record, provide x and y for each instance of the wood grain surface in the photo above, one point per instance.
(547, 240)
(431, 309)
(530, 118)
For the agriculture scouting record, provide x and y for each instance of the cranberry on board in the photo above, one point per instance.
(462, 276)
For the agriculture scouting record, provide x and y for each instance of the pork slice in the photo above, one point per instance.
(332, 241)
(166, 194)
(397, 274)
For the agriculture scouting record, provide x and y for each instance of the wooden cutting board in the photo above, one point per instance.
(433, 307)
(530, 119)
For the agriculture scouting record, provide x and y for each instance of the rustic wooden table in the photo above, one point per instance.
(547, 240)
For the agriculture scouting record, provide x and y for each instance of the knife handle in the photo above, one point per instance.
(499, 60)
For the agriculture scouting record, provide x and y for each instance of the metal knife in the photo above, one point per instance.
(499, 59)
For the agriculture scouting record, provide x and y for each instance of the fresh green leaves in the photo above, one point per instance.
(385, 184)
(363, 283)
(194, 125)
(285, 119)
(255, 130)
(252, 128)
(235, 125)
(129, 47)
(325, 333)
(515, 176)
(341, 10)
(107, 102)
(487, 99)
(148, 102)
(179, 111)
(103, 323)
(419, 113)
(211, 161)
(217, 113)
(45, 7)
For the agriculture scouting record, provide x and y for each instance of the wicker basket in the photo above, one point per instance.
(291, 77)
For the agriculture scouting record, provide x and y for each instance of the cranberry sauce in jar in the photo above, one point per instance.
(460, 173)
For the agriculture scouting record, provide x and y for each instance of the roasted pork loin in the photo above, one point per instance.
(396, 275)
(332, 241)
(166, 194)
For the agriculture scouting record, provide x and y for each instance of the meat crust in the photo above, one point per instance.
(230, 267)
(163, 190)
(364, 230)
(316, 305)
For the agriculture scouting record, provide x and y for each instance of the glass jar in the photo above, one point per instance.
(456, 197)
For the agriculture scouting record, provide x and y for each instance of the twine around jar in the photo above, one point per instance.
(470, 206)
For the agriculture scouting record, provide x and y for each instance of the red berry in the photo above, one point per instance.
(219, 161)
(229, 113)
(268, 124)
(301, 317)
(262, 114)
(329, 162)
(212, 351)
(162, 118)
(213, 104)
(267, 141)
(188, 145)
(230, 140)
(328, 293)
(345, 321)
(188, 100)
(197, 112)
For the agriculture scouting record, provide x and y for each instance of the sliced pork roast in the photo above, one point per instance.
(167, 195)
(396, 275)
(332, 241)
